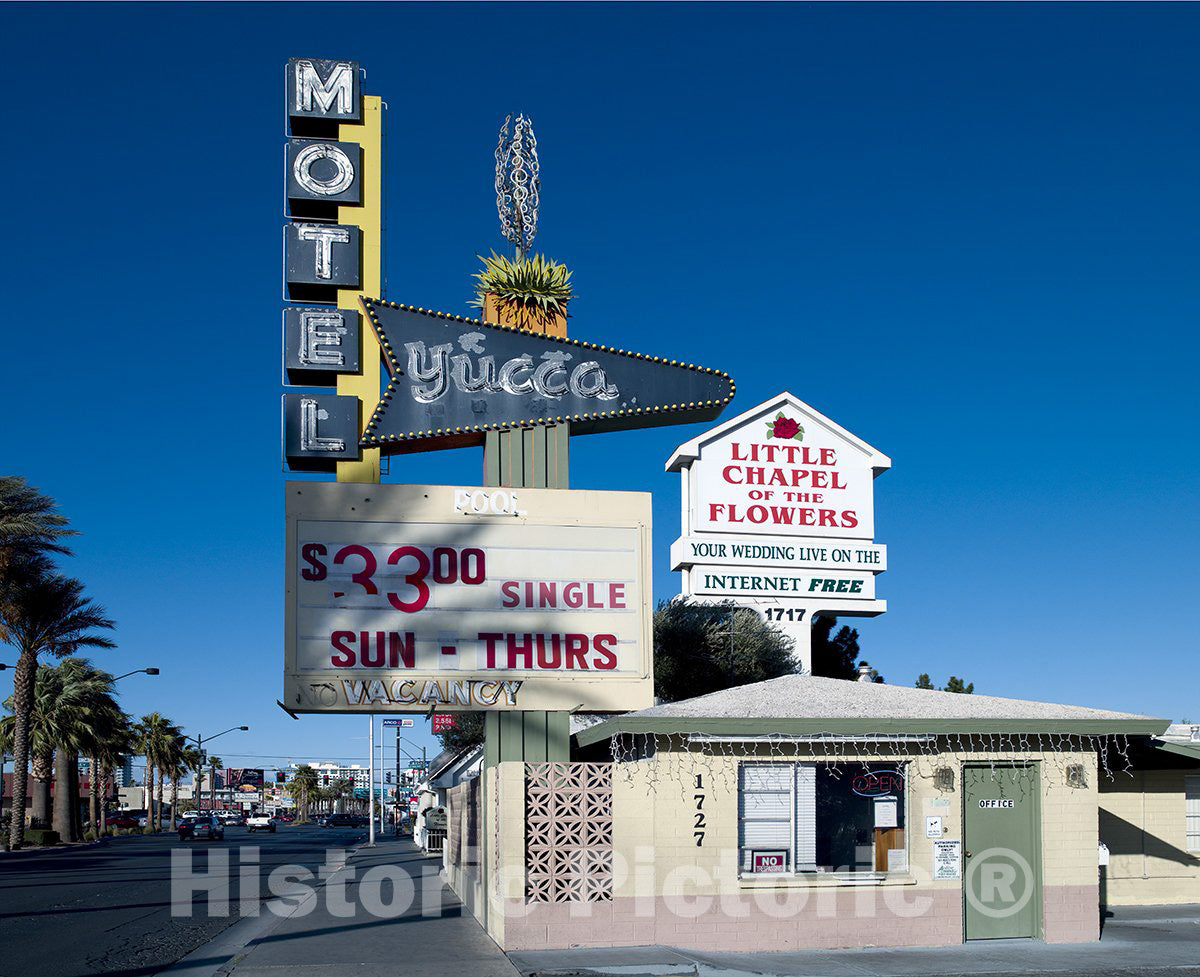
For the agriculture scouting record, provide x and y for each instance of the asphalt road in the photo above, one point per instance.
(106, 909)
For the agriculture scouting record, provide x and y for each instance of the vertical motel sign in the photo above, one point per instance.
(331, 253)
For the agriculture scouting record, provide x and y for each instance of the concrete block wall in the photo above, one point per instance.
(670, 889)
(1070, 851)
(1142, 823)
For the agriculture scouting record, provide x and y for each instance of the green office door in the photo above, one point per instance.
(1002, 886)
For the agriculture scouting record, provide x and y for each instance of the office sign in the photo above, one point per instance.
(454, 379)
(398, 601)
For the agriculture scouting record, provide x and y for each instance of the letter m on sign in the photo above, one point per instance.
(323, 89)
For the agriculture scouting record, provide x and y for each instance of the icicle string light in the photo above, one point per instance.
(638, 755)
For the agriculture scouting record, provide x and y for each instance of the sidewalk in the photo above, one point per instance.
(1140, 940)
(322, 944)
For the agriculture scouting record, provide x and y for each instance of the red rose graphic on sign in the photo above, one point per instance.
(785, 428)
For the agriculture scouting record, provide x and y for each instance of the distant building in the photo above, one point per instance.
(330, 773)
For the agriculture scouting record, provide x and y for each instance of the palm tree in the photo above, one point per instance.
(215, 763)
(177, 766)
(193, 760)
(5, 747)
(155, 737)
(81, 718)
(30, 523)
(41, 612)
(111, 746)
(302, 787)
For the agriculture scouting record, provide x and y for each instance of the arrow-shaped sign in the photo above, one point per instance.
(454, 379)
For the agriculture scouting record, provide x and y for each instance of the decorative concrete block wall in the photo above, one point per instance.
(568, 832)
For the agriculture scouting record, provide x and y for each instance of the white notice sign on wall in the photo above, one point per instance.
(947, 860)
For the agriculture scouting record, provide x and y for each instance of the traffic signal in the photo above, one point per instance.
(280, 777)
(389, 776)
(325, 779)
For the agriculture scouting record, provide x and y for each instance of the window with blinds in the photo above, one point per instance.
(766, 812)
(1191, 791)
(809, 817)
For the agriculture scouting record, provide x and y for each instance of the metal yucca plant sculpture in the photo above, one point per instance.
(536, 283)
(518, 187)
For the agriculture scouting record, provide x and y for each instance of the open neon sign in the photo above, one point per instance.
(878, 783)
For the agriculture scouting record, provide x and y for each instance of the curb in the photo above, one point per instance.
(220, 955)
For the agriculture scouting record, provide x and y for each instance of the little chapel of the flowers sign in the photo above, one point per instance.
(779, 515)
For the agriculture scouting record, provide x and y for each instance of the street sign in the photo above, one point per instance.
(402, 723)
(397, 601)
(454, 379)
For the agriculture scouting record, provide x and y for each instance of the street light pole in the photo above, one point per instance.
(136, 671)
(371, 790)
(212, 787)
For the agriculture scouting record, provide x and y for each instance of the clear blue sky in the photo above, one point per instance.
(966, 233)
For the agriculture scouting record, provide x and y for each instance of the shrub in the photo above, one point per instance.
(89, 835)
(43, 837)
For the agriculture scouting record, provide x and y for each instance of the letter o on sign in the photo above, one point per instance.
(343, 170)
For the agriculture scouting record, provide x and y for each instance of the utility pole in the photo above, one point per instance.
(371, 789)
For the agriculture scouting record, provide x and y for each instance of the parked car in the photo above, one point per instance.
(122, 819)
(343, 821)
(206, 827)
(261, 822)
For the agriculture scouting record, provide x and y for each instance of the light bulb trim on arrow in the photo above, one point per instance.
(475, 383)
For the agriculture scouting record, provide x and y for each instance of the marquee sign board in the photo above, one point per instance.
(399, 601)
(779, 515)
(453, 379)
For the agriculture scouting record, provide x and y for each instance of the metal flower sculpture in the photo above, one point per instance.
(518, 188)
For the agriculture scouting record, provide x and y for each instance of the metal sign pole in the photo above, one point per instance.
(371, 789)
